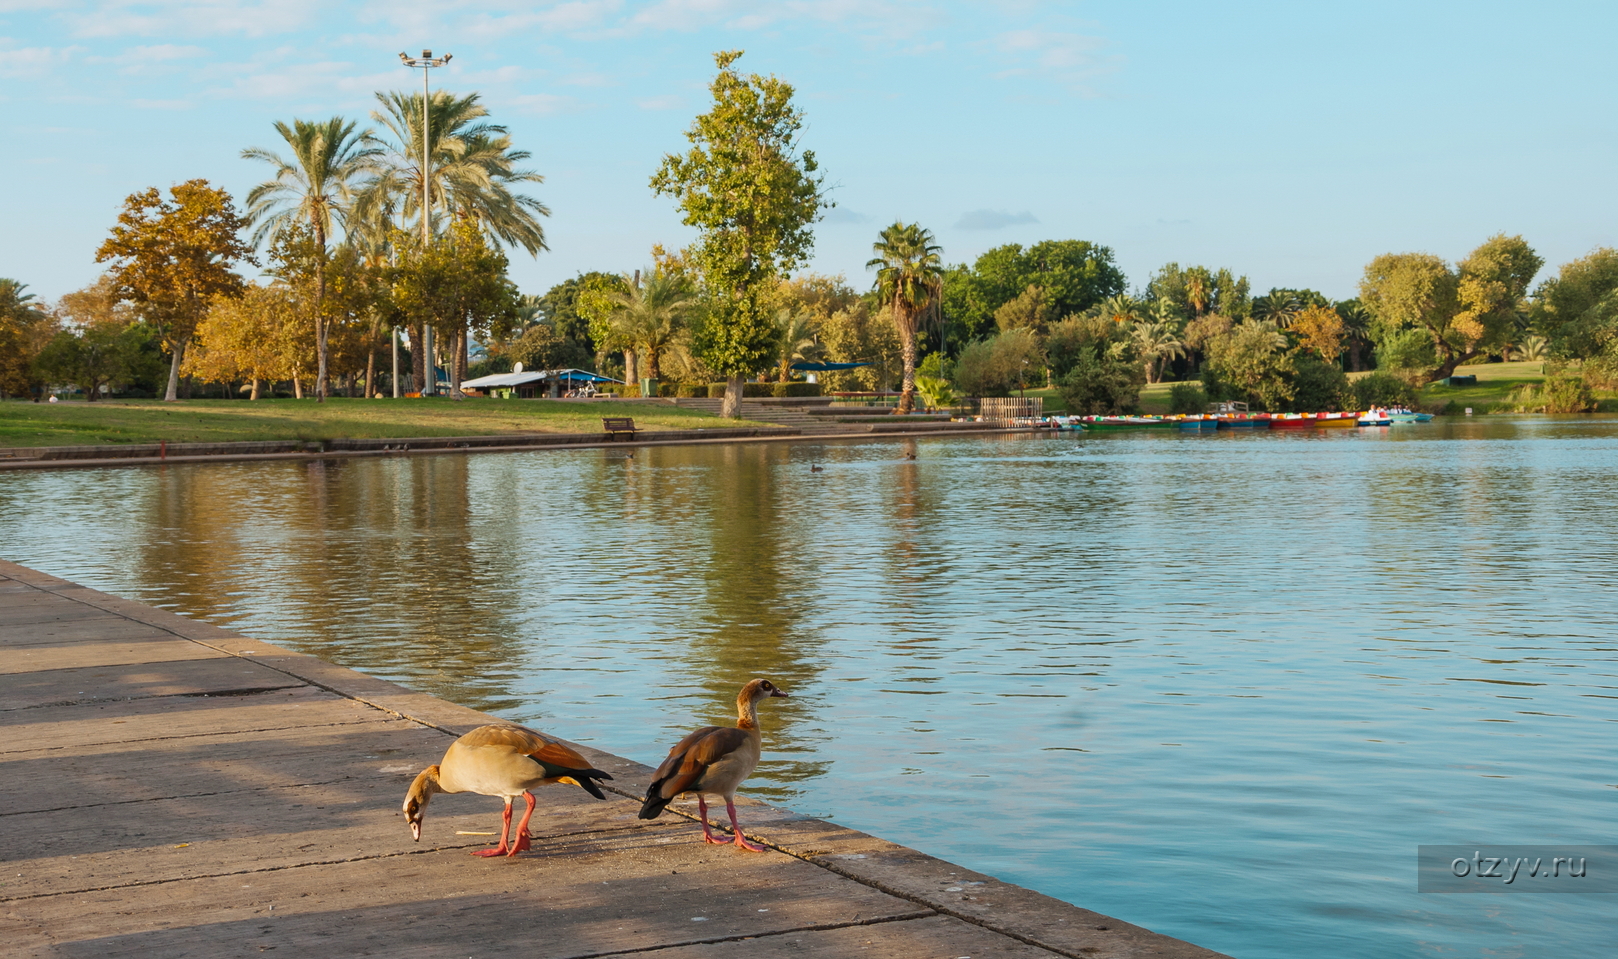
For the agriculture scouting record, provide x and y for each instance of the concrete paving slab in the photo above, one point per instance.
(176, 717)
(925, 937)
(33, 659)
(198, 677)
(161, 840)
(73, 777)
(105, 628)
(589, 895)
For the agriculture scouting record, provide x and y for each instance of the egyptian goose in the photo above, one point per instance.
(713, 761)
(504, 760)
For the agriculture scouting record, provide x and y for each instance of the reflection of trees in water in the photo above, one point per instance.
(757, 589)
(365, 563)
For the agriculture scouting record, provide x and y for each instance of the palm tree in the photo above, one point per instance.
(651, 315)
(909, 278)
(798, 342)
(315, 189)
(1121, 308)
(472, 169)
(1156, 342)
(1278, 306)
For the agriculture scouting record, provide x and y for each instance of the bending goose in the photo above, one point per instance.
(504, 760)
(713, 761)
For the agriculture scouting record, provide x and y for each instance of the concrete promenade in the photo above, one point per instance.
(168, 788)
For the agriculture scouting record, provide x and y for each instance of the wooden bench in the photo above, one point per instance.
(614, 425)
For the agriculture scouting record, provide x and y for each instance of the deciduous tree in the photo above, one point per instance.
(172, 257)
(753, 193)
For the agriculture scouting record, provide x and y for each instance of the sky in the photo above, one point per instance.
(1291, 142)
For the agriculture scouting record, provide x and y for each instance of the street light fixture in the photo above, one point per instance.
(426, 62)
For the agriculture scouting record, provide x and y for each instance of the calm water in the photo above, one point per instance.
(1220, 686)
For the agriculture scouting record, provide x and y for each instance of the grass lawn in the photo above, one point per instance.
(1495, 383)
(24, 423)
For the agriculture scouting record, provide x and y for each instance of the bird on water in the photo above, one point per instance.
(505, 760)
(816, 469)
(713, 761)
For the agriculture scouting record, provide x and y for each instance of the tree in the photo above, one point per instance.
(25, 329)
(1576, 315)
(542, 347)
(909, 274)
(1198, 290)
(1319, 329)
(1155, 343)
(1095, 364)
(259, 336)
(1462, 312)
(798, 343)
(1251, 361)
(996, 366)
(1075, 275)
(753, 195)
(852, 334)
(472, 170)
(650, 316)
(316, 189)
(173, 258)
(458, 286)
(1030, 310)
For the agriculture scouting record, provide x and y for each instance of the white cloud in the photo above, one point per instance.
(669, 101)
(1067, 58)
(993, 219)
(542, 104)
(117, 18)
(20, 62)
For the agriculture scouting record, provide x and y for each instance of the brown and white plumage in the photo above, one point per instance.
(714, 760)
(505, 760)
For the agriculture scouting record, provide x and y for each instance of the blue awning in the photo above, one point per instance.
(826, 367)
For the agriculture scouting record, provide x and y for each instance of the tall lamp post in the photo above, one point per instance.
(426, 62)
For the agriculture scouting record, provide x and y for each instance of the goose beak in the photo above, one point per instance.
(415, 829)
(777, 692)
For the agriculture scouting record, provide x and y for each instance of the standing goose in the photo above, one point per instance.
(713, 761)
(504, 760)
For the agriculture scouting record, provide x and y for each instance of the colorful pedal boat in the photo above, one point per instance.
(1292, 421)
(1126, 422)
(1336, 421)
(1243, 421)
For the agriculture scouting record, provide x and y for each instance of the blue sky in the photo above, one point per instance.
(1288, 141)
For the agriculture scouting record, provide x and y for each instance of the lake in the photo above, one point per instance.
(1220, 686)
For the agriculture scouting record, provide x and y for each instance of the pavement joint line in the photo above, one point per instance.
(158, 739)
(300, 865)
(743, 937)
(211, 694)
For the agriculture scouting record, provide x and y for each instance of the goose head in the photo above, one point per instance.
(416, 800)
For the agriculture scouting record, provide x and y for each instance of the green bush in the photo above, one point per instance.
(994, 367)
(716, 391)
(1319, 386)
(1558, 394)
(1382, 389)
(1406, 350)
(1187, 398)
(755, 390)
(1101, 382)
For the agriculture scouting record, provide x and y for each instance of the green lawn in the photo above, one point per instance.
(24, 423)
(1495, 383)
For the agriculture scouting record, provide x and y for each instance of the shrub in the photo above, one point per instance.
(690, 390)
(1558, 394)
(1187, 398)
(1102, 381)
(1382, 389)
(1406, 350)
(994, 367)
(1319, 386)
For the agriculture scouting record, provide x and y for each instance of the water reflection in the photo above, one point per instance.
(1168, 677)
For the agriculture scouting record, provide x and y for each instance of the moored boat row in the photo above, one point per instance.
(1240, 420)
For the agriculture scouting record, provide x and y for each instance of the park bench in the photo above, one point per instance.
(614, 425)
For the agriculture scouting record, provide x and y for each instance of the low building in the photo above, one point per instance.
(535, 384)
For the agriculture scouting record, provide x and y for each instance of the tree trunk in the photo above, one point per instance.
(907, 385)
(173, 392)
(651, 365)
(418, 357)
(297, 386)
(370, 365)
(731, 408)
(254, 395)
(631, 371)
(457, 363)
